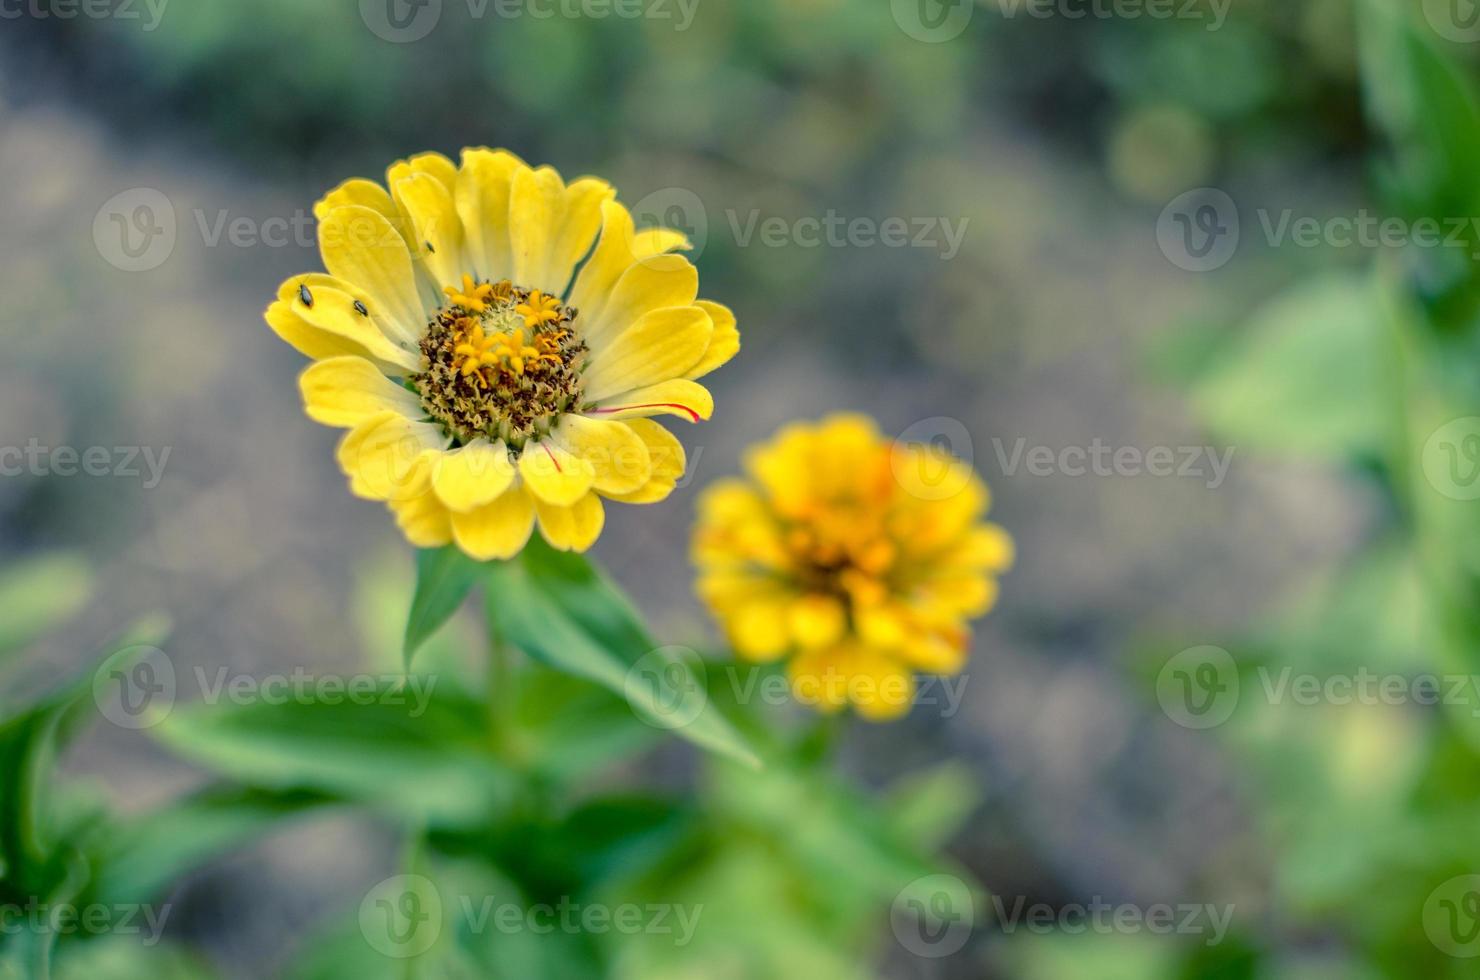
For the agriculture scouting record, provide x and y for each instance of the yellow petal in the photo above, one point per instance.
(816, 620)
(880, 687)
(934, 654)
(652, 284)
(553, 474)
(819, 679)
(361, 246)
(345, 391)
(472, 476)
(497, 529)
(658, 347)
(573, 528)
(618, 248)
(617, 454)
(381, 456)
(758, 629)
(432, 164)
(364, 193)
(423, 520)
(536, 199)
(432, 216)
(404, 335)
(686, 399)
(723, 344)
(330, 325)
(570, 217)
(666, 455)
(482, 198)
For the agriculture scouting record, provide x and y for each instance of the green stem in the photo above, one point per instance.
(819, 743)
(500, 702)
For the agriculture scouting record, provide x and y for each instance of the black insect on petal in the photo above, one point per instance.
(304, 296)
(360, 308)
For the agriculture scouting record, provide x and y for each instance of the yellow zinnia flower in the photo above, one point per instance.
(488, 376)
(860, 558)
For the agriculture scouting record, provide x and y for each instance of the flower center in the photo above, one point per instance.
(501, 361)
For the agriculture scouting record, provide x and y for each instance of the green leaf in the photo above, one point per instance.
(398, 748)
(443, 578)
(37, 594)
(39, 855)
(557, 608)
(1306, 377)
(141, 857)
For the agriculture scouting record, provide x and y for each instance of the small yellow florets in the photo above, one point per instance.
(492, 372)
(859, 558)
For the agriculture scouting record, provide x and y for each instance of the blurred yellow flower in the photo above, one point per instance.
(860, 558)
(493, 368)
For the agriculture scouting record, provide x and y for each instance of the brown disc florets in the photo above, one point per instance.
(501, 362)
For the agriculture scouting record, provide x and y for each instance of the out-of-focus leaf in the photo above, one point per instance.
(413, 751)
(139, 858)
(37, 594)
(1424, 105)
(929, 807)
(444, 577)
(557, 608)
(1306, 377)
(566, 728)
(128, 959)
(39, 860)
